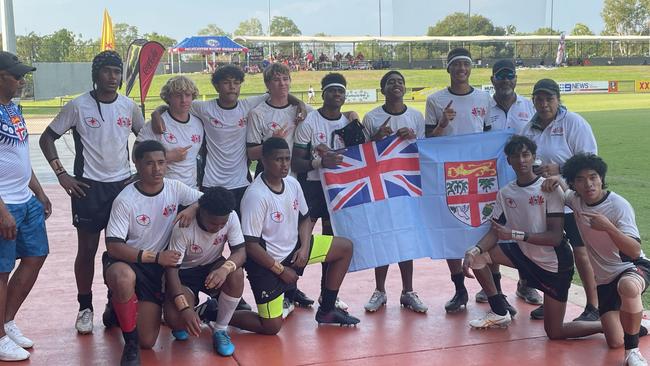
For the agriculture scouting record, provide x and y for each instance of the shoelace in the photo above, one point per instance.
(224, 338)
(85, 316)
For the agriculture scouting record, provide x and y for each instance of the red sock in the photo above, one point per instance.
(127, 313)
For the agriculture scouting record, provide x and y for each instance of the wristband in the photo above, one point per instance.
(139, 260)
(56, 165)
(473, 251)
(277, 268)
(181, 302)
(230, 266)
(317, 163)
(148, 256)
(525, 236)
(61, 173)
(518, 235)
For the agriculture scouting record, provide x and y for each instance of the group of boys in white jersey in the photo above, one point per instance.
(175, 219)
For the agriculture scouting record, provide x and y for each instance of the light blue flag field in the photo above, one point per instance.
(399, 200)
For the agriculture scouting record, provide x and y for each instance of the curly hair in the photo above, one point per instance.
(217, 201)
(517, 142)
(178, 85)
(580, 162)
(227, 71)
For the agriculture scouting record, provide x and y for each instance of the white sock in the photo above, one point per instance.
(227, 306)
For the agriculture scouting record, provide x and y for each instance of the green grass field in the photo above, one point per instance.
(620, 121)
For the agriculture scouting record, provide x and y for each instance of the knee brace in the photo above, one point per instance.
(630, 287)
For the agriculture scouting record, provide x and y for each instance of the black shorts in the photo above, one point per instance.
(608, 298)
(553, 284)
(315, 198)
(267, 286)
(148, 278)
(194, 278)
(571, 231)
(91, 213)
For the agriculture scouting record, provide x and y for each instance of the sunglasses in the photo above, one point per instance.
(17, 78)
(505, 75)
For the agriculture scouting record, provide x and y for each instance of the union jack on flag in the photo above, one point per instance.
(373, 172)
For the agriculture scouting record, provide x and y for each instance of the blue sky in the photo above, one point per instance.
(179, 19)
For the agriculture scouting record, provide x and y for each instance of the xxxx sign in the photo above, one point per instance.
(471, 188)
(642, 86)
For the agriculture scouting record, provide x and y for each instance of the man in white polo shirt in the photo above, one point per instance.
(508, 110)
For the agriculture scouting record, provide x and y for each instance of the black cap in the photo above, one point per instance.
(10, 63)
(548, 86)
(505, 64)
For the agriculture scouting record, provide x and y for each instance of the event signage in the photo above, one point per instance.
(578, 87)
(642, 86)
(361, 96)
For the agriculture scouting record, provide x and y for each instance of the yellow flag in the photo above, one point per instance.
(108, 38)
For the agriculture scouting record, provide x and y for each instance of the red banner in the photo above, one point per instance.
(150, 55)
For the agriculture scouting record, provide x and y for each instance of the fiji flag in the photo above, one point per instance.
(399, 200)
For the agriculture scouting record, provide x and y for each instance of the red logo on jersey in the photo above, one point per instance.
(242, 122)
(277, 216)
(536, 200)
(196, 139)
(478, 112)
(170, 137)
(143, 220)
(195, 249)
(321, 137)
(274, 126)
(92, 122)
(169, 210)
(511, 203)
(557, 131)
(295, 204)
(220, 239)
(217, 123)
(523, 115)
(124, 122)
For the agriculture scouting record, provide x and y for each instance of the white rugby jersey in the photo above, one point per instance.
(316, 130)
(410, 118)
(605, 256)
(199, 247)
(15, 164)
(178, 134)
(145, 221)
(273, 217)
(519, 114)
(471, 111)
(225, 133)
(526, 208)
(564, 137)
(101, 140)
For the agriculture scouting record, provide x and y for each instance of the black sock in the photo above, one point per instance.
(85, 301)
(329, 299)
(131, 336)
(459, 281)
(643, 331)
(323, 276)
(497, 281)
(290, 294)
(498, 304)
(631, 340)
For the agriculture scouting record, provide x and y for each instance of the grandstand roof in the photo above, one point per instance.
(431, 39)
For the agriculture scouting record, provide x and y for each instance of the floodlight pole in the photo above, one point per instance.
(469, 12)
(269, 32)
(379, 1)
(551, 14)
(8, 29)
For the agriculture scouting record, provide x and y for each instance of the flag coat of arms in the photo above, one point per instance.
(399, 200)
